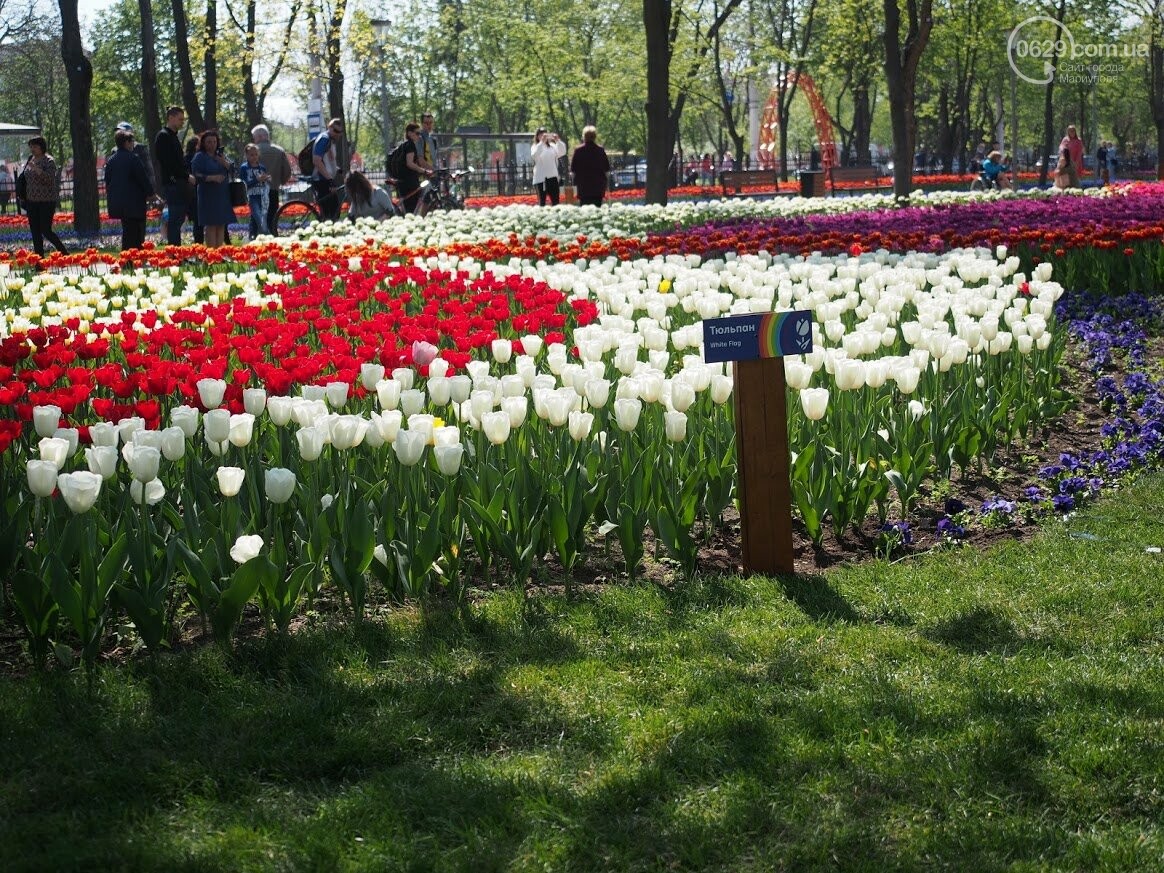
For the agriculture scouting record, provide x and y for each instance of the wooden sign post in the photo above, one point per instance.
(755, 344)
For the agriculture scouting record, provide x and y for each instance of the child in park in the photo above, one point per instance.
(256, 177)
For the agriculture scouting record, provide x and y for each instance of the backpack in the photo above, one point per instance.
(306, 159)
(396, 162)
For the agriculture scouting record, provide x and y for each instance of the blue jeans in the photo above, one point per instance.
(178, 207)
(258, 215)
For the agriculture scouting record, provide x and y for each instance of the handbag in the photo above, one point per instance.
(238, 192)
(21, 187)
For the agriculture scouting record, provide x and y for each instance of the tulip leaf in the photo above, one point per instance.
(66, 592)
(244, 583)
(35, 603)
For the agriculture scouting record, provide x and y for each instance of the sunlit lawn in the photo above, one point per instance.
(963, 711)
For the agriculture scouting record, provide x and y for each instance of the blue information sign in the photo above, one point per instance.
(757, 335)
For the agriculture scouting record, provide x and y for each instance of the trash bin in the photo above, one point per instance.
(812, 183)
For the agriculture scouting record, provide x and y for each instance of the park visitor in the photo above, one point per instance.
(213, 170)
(42, 192)
(255, 176)
(547, 150)
(1074, 145)
(278, 165)
(177, 182)
(367, 200)
(590, 167)
(326, 176)
(127, 190)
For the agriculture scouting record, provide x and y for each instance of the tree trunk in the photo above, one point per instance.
(250, 97)
(901, 63)
(660, 136)
(149, 79)
(1049, 108)
(862, 124)
(210, 65)
(185, 71)
(86, 206)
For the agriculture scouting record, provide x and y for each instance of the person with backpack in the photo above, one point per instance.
(406, 169)
(41, 184)
(325, 176)
(275, 159)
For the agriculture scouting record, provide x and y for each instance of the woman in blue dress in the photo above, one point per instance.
(213, 171)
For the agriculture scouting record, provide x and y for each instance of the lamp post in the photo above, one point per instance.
(382, 27)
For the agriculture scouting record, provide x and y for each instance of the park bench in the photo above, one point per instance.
(750, 183)
(858, 178)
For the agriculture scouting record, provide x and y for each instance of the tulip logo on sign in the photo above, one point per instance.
(753, 336)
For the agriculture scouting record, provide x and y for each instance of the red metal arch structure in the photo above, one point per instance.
(770, 123)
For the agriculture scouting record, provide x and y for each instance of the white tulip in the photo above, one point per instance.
(102, 460)
(459, 388)
(129, 426)
(388, 424)
(906, 379)
(675, 425)
(211, 392)
(721, 389)
(439, 390)
(255, 400)
(173, 443)
(216, 425)
(42, 477)
(580, 425)
(531, 344)
(411, 401)
(151, 492)
(278, 484)
(438, 368)
(143, 461)
(151, 438)
(797, 375)
(404, 375)
(682, 395)
(348, 431)
(230, 480)
(517, 408)
(279, 409)
(814, 402)
(104, 433)
(448, 458)
(46, 419)
(246, 547)
(626, 413)
(597, 392)
(310, 441)
(370, 375)
(336, 394)
(423, 423)
(447, 435)
(241, 429)
(54, 450)
(502, 350)
(409, 447)
(380, 554)
(388, 393)
(496, 426)
(80, 490)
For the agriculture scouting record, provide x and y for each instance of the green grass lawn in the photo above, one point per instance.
(965, 711)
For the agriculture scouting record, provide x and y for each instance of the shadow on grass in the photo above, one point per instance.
(978, 632)
(817, 599)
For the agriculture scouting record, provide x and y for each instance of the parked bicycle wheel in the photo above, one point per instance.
(977, 185)
(296, 214)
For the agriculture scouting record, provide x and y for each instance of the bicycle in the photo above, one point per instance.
(301, 210)
(443, 191)
(984, 183)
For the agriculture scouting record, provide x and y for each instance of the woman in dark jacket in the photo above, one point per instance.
(127, 189)
(42, 192)
(590, 167)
